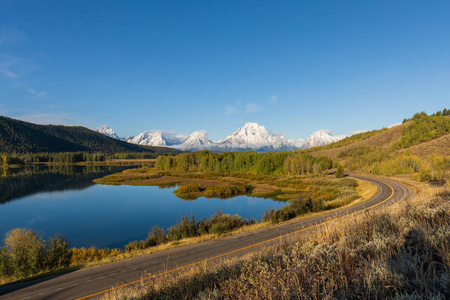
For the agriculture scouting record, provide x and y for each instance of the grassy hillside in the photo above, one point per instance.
(353, 139)
(384, 139)
(423, 134)
(22, 137)
(420, 147)
(439, 146)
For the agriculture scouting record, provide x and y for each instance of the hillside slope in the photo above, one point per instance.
(439, 146)
(384, 140)
(422, 136)
(21, 137)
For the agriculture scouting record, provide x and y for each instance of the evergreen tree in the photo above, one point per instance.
(340, 172)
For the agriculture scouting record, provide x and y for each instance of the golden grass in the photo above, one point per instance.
(384, 139)
(439, 146)
(365, 189)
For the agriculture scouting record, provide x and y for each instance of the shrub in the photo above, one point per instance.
(218, 228)
(83, 255)
(340, 172)
(183, 229)
(189, 191)
(5, 269)
(26, 252)
(58, 254)
(135, 245)
(225, 190)
(156, 236)
(297, 207)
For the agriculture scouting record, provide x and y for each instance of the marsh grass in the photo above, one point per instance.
(192, 191)
(402, 252)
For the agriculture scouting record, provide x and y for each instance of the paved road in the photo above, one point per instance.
(93, 282)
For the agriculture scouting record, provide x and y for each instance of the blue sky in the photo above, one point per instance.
(292, 66)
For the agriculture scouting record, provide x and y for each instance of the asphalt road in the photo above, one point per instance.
(92, 283)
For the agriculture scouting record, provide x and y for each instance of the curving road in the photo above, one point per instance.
(92, 283)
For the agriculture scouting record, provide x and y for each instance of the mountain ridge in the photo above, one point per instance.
(251, 136)
(18, 136)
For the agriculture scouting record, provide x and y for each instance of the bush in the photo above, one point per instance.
(190, 188)
(58, 254)
(83, 255)
(225, 190)
(183, 229)
(156, 236)
(5, 269)
(340, 172)
(189, 191)
(218, 228)
(297, 207)
(136, 245)
(26, 252)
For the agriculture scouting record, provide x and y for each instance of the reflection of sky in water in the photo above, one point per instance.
(111, 216)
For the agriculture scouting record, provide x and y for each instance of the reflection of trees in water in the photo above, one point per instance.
(20, 182)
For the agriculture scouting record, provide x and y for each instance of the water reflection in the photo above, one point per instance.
(20, 182)
(49, 200)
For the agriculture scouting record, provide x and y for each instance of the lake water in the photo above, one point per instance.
(64, 200)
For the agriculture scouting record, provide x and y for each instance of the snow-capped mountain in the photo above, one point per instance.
(156, 138)
(321, 138)
(253, 137)
(195, 141)
(108, 131)
(148, 138)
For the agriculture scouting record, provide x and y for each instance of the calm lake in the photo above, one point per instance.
(64, 200)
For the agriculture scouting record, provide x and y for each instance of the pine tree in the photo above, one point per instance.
(340, 172)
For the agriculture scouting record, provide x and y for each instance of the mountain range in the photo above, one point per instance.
(251, 136)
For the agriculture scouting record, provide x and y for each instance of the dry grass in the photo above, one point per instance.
(439, 146)
(151, 177)
(402, 252)
(260, 186)
(420, 189)
(365, 189)
(384, 139)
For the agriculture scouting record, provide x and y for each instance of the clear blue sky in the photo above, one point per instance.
(292, 66)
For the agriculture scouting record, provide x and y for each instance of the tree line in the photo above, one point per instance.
(69, 157)
(422, 129)
(290, 163)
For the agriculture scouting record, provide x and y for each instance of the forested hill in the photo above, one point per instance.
(22, 137)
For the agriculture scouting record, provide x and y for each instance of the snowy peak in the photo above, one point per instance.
(255, 137)
(250, 133)
(196, 141)
(148, 138)
(156, 138)
(251, 136)
(321, 138)
(108, 131)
